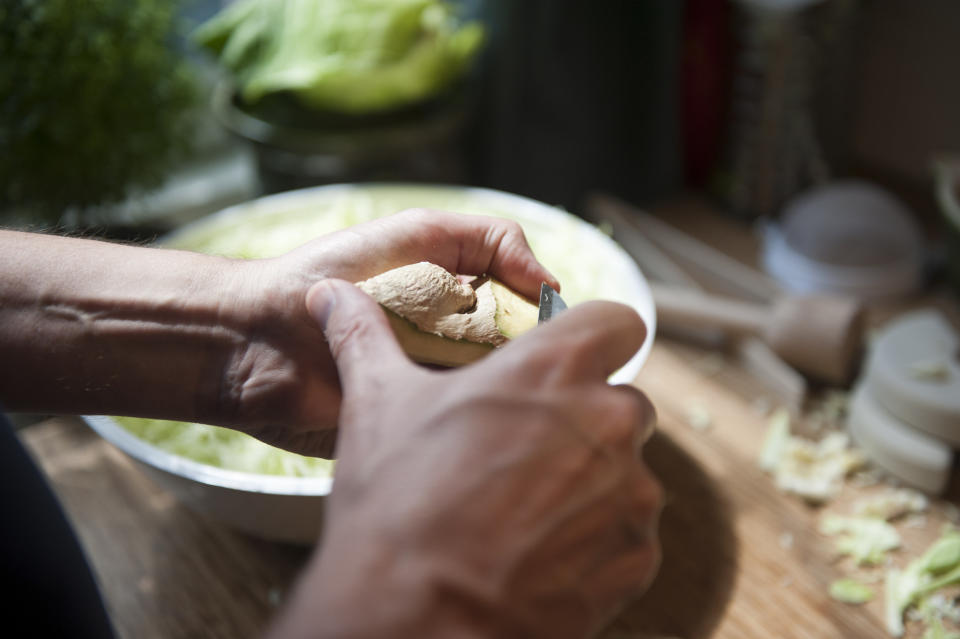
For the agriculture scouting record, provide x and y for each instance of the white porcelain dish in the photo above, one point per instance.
(285, 509)
(588, 263)
(847, 238)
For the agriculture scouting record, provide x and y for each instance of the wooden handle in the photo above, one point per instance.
(654, 263)
(722, 271)
(691, 309)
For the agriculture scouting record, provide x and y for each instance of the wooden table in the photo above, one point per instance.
(741, 559)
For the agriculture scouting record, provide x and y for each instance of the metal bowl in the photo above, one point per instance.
(287, 509)
(290, 509)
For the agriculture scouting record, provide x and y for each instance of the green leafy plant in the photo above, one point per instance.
(344, 56)
(95, 102)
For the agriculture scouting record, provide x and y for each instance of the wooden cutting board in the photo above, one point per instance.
(742, 559)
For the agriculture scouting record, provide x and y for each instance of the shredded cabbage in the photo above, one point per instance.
(813, 470)
(851, 591)
(937, 568)
(865, 539)
(224, 448)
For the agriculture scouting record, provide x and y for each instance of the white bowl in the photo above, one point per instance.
(290, 508)
(286, 509)
(846, 238)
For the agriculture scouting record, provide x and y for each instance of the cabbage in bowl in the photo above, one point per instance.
(587, 263)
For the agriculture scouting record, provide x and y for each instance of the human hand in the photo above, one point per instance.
(281, 384)
(130, 330)
(503, 499)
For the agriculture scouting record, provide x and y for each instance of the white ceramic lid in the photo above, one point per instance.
(908, 454)
(914, 373)
(849, 238)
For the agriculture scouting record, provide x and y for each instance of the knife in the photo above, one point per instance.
(550, 303)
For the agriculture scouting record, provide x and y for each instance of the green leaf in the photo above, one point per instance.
(865, 539)
(349, 56)
(97, 105)
(851, 591)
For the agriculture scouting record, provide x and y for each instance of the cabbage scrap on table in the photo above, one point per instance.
(812, 470)
(851, 591)
(925, 590)
(918, 584)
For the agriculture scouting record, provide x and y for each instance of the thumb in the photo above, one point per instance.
(357, 331)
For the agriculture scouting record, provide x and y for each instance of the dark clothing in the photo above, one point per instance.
(49, 588)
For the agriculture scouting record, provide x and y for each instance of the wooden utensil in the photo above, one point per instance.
(720, 271)
(819, 335)
(779, 377)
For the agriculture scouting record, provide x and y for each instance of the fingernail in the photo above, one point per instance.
(553, 278)
(320, 302)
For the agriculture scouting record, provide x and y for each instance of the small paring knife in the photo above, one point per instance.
(550, 303)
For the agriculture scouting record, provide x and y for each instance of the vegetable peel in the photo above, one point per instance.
(851, 591)
(938, 567)
(813, 470)
(865, 539)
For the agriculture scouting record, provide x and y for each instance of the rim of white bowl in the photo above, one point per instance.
(156, 457)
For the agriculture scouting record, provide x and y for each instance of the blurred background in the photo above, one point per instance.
(128, 118)
(743, 152)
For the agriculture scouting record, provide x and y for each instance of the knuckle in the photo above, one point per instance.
(625, 415)
(346, 333)
(633, 409)
(648, 495)
(501, 224)
(650, 559)
(620, 431)
(503, 233)
(416, 215)
(639, 410)
(510, 227)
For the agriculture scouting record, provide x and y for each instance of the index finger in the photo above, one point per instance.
(464, 244)
(498, 247)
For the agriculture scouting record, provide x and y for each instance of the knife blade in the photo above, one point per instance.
(550, 303)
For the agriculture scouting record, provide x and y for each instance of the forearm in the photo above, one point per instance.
(96, 327)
